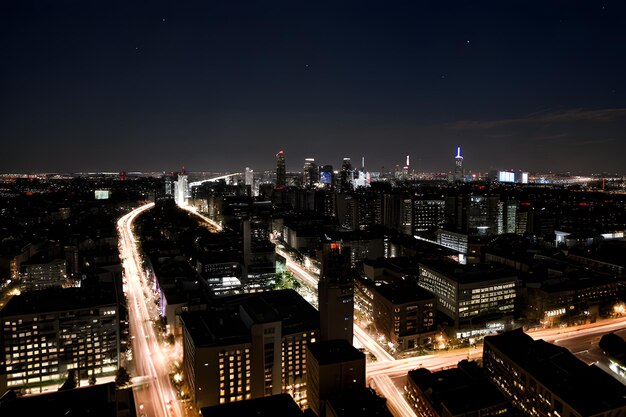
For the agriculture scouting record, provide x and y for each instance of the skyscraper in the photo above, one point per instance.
(346, 175)
(458, 165)
(310, 175)
(335, 292)
(281, 173)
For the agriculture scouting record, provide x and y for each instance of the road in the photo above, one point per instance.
(158, 398)
(581, 340)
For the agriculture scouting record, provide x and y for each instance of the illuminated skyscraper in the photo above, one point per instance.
(310, 175)
(347, 175)
(458, 165)
(281, 173)
(181, 189)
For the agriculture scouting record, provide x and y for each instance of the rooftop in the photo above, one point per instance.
(470, 273)
(223, 324)
(86, 401)
(335, 351)
(587, 389)
(399, 292)
(60, 299)
(359, 402)
(280, 405)
(460, 390)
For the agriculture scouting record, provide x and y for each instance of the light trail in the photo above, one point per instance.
(386, 367)
(216, 226)
(159, 398)
(395, 399)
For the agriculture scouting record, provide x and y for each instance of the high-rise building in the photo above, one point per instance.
(326, 175)
(458, 165)
(44, 334)
(310, 174)
(249, 177)
(181, 189)
(333, 367)
(249, 346)
(281, 172)
(346, 176)
(428, 213)
(335, 292)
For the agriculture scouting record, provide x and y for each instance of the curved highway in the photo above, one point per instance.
(157, 398)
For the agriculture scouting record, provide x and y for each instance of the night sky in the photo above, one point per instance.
(152, 85)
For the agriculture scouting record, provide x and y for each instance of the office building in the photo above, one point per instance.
(281, 172)
(249, 177)
(42, 272)
(477, 298)
(428, 214)
(458, 392)
(346, 176)
(181, 189)
(357, 402)
(333, 367)
(102, 400)
(545, 380)
(335, 292)
(403, 313)
(44, 334)
(310, 174)
(248, 346)
(281, 405)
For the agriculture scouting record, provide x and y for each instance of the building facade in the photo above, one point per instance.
(545, 380)
(44, 334)
(251, 346)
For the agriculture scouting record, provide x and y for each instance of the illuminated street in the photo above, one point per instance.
(386, 374)
(157, 397)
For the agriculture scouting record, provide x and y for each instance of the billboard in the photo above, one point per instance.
(102, 194)
(505, 176)
(326, 177)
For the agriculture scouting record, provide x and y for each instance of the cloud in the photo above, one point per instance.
(563, 116)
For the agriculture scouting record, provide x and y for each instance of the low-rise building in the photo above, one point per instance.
(458, 392)
(402, 312)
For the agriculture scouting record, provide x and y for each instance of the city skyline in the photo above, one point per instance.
(150, 87)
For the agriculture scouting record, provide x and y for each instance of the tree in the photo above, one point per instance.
(121, 377)
(286, 280)
(70, 382)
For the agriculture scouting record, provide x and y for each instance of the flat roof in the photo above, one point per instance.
(470, 273)
(587, 389)
(334, 351)
(399, 292)
(223, 325)
(280, 405)
(361, 402)
(457, 390)
(60, 299)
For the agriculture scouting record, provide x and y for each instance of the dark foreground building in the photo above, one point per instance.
(280, 405)
(102, 400)
(545, 380)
